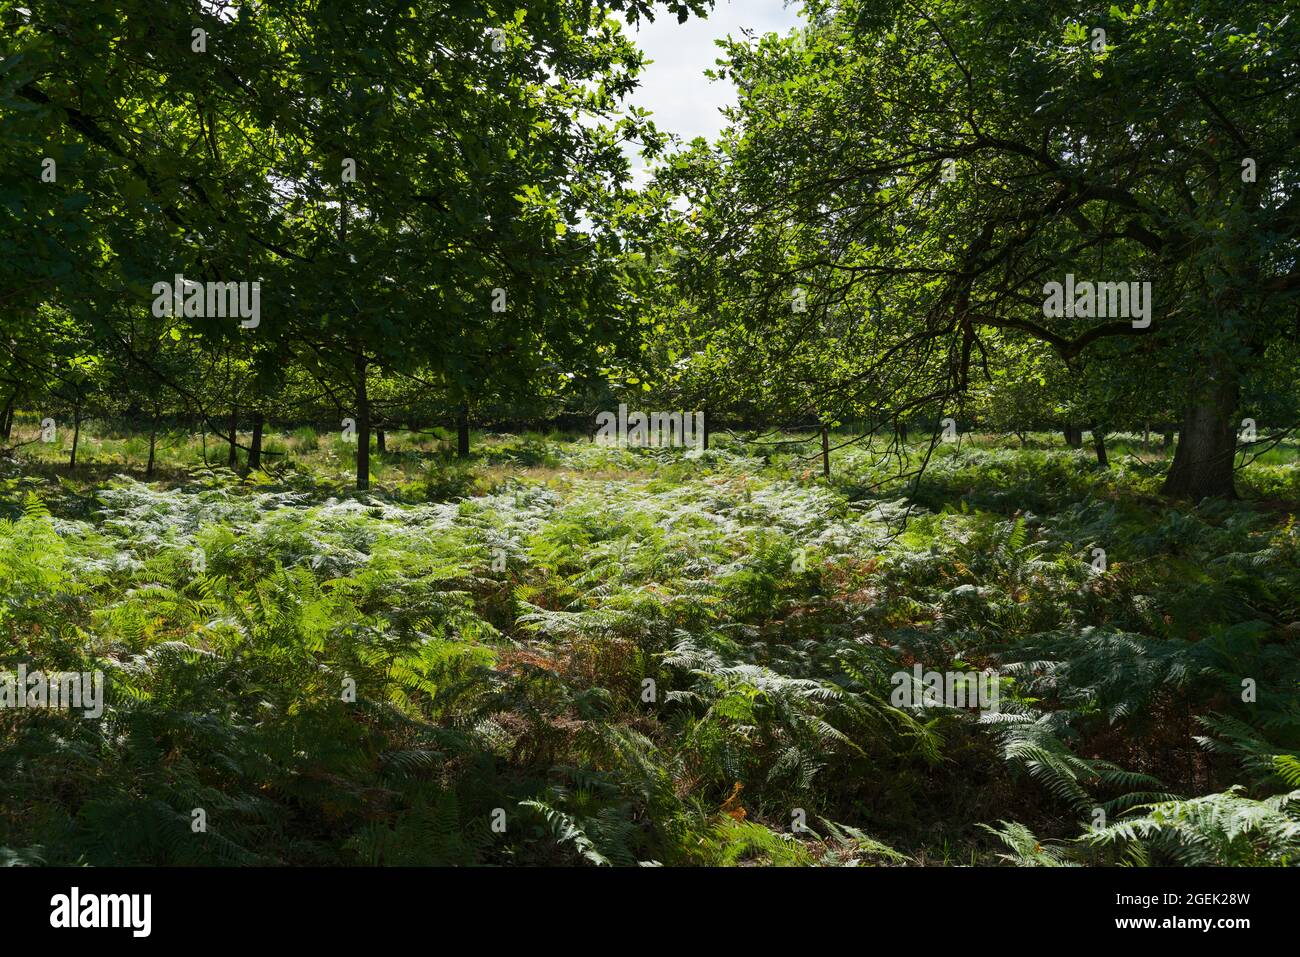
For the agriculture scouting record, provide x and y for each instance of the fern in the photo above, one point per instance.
(1225, 829)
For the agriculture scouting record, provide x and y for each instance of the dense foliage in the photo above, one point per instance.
(500, 646)
(311, 312)
(873, 234)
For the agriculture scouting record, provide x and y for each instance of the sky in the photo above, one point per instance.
(674, 87)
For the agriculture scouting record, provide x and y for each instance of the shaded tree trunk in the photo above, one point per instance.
(1099, 446)
(1074, 436)
(255, 446)
(462, 431)
(153, 443)
(1166, 440)
(363, 427)
(232, 459)
(1207, 443)
(705, 420)
(76, 434)
(826, 452)
(381, 445)
(7, 419)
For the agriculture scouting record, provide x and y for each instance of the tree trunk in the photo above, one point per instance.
(7, 419)
(705, 427)
(1166, 440)
(363, 427)
(153, 441)
(381, 445)
(232, 460)
(1099, 446)
(76, 434)
(826, 452)
(1074, 436)
(1207, 443)
(255, 446)
(462, 431)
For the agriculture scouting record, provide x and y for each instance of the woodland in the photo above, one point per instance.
(433, 485)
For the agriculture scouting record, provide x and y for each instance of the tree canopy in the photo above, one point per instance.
(431, 203)
(899, 183)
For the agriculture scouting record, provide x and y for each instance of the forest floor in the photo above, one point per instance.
(556, 652)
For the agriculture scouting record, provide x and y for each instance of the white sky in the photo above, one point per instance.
(673, 87)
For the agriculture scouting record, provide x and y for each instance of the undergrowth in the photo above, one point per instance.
(564, 653)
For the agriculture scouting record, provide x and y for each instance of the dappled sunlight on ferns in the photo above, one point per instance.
(687, 664)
